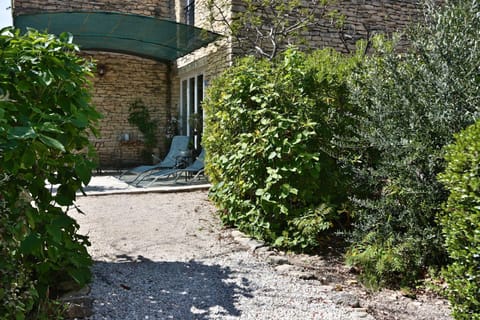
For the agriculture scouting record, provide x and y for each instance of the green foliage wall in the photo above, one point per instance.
(45, 122)
(460, 222)
(411, 104)
(267, 137)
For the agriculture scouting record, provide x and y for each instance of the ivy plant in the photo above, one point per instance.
(141, 118)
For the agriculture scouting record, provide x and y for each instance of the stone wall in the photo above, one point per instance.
(362, 18)
(126, 79)
(156, 8)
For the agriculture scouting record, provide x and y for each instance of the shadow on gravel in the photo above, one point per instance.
(138, 288)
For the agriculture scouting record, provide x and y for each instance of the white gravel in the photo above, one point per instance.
(165, 256)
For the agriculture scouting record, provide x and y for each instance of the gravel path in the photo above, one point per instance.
(164, 256)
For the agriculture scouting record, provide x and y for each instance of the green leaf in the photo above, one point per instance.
(80, 121)
(50, 127)
(63, 221)
(53, 143)
(80, 261)
(55, 233)
(279, 241)
(65, 195)
(259, 192)
(272, 155)
(28, 158)
(283, 209)
(83, 170)
(80, 275)
(288, 189)
(22, 132)
(32, 244)
(66, 37)
(19, 315)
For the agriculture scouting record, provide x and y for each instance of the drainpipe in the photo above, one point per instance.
(169, 98)
(169, 88)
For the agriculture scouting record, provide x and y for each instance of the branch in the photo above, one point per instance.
(268, 26)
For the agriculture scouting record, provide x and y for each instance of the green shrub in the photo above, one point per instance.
(410, 106)
(267, 137)
(45, 122)
(460, 222)
(17, 288)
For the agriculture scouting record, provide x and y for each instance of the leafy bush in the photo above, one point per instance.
(267, 137)
(410, 107)
(460, 222)
(17, 288)
(45, 123)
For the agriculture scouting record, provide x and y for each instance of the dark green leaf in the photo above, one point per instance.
(22, 132)
(84, 171)
(32, 244)
(53, 143)
(28, 158)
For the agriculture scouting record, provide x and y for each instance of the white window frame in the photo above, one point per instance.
(189, 12)
(185, 107)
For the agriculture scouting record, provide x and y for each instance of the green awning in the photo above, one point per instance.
(138, 35)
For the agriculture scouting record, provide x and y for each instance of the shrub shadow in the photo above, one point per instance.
(138, 288)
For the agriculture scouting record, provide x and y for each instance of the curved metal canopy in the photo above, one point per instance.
(143, 36)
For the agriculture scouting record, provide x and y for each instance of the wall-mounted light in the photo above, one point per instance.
(101, 69)
(125, 137)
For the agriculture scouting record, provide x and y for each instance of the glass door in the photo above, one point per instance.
(191, 111)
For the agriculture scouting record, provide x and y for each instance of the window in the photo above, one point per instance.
(191, 111)
(190, 12)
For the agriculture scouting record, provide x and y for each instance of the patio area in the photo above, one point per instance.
(109, 183)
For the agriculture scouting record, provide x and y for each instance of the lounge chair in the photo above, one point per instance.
(177, 148)
(191, 172)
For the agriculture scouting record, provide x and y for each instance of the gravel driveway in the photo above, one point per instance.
(165, 256)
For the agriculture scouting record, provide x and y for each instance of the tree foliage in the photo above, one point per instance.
(45, 122)
(411, 105)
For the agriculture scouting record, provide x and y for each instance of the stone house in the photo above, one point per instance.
(165, 52)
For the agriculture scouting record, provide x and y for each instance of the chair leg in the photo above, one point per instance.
(200, 172)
